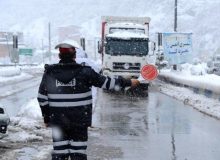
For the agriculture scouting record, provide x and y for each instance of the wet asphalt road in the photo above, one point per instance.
(153, 128)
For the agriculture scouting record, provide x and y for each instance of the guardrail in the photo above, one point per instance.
(206, 92)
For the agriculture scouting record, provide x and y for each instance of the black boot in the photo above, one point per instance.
(60, 157)
(78, 156)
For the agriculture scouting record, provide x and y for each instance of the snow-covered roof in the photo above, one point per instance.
(127, 35)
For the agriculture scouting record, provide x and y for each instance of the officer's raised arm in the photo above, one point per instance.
(108, 83)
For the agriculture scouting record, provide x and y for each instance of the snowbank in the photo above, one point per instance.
(16, 74)
(28, 126)
(22, 76)
(29, 117)
(206, 82)
(33, 67)
(10, 71)
(193, 76)
(196, 69)
(31, 110)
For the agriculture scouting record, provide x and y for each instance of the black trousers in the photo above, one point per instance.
(69, 142)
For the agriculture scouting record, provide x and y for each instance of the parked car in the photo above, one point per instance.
(4, 120)
(214, 65)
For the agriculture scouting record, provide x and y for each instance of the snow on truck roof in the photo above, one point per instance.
(127, 35)
(115, 19)
(126, 25)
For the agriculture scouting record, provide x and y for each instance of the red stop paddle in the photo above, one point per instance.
(149, 72)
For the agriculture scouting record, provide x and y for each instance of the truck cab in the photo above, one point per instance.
(125, 46)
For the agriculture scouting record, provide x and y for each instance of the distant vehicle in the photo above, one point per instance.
(125, 46)
(4, 120)
(214, 65)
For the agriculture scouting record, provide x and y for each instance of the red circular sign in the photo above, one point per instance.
(149, 72)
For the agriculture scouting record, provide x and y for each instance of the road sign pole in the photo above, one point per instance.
(15, 56)
(175, 16)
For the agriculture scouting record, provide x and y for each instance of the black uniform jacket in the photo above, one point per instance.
(65, 95)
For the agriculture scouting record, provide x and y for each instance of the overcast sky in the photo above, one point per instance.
(197, 16)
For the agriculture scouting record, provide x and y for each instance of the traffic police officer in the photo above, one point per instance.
(65, 99)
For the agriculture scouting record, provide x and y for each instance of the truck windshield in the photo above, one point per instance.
(138, 47)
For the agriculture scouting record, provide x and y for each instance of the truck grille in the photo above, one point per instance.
(130, 66)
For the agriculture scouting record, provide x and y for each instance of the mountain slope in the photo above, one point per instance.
(31, 17)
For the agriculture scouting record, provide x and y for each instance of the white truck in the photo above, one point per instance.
(125, 46)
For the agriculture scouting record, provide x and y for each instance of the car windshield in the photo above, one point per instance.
(137, 47)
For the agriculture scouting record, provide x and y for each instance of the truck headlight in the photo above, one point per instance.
(126, 66)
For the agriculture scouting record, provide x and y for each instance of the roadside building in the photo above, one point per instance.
(6, 42)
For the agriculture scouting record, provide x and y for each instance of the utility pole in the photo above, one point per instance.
(15, 55)
(175, 28)
(42, 43)
(175, 16)
(49, 37)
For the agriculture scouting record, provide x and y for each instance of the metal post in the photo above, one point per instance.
(175, 28)
(82, 43)
(159, 39)
(95, 47)
(42, 43)
(49, 42)
(15, 55)
(175, 16)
